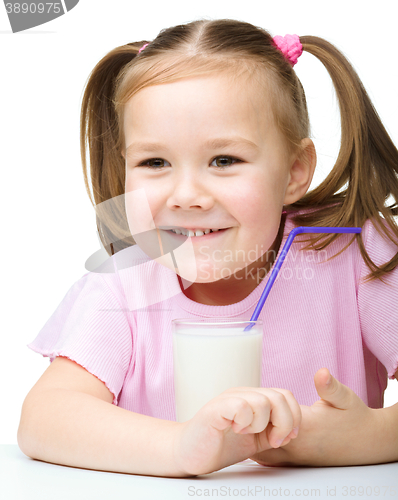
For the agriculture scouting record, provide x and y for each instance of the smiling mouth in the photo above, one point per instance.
(197, 233)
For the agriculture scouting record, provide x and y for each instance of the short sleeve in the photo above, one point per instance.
(378, 301)
(91, 328)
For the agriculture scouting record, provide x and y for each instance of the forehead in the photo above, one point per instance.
(211, 104)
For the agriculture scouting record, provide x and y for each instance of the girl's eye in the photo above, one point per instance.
(225, 161)
(222, 162)
(153, 163)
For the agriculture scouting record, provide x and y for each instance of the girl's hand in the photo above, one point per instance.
(335, 431)
(235, 425)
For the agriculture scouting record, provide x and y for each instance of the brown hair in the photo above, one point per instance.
(367, 163)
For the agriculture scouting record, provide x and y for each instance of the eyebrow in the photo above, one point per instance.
(218, 143)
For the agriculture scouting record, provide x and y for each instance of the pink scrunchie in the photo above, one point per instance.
(143, 47)
(290, 46)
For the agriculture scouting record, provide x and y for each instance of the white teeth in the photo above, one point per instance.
(191, 233)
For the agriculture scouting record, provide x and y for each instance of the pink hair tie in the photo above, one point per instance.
(143, 47)
(290, 46)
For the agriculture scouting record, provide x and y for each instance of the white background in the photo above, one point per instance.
(47, 221)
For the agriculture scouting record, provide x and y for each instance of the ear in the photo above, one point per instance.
(301, 172)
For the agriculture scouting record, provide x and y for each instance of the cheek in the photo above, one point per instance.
(141, 205)
(137, 188)
(259, 214)
(134, 180)
(245, 199)
(254, 205)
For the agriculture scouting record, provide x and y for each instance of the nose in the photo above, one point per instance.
(188, 191)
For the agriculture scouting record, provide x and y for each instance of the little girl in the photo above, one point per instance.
(201, 159)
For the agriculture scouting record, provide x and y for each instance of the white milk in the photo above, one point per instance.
(211, 360)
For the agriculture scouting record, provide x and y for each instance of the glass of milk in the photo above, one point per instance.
(212, 355)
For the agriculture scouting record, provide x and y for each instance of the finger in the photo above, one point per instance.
(281, 418)
(295, 409)
(287, 417)
(261, 409)
(291, 400)
(331, 390)
(226, 411)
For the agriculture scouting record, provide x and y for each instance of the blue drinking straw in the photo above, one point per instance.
(279, 262)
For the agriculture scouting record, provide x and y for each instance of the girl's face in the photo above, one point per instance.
(207, 155)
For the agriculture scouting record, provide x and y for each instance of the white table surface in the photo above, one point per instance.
(22, 478)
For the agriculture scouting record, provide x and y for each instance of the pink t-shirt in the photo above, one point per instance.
(117, 324)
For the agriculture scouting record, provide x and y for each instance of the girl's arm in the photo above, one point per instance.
(389, 432)
(67, 419)
(339, 430)
(79, 430)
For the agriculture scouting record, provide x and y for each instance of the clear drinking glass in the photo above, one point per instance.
(212, 355)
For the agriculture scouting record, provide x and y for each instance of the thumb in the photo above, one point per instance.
(331, 390)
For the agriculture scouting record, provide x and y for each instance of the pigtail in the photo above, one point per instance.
(99, 129)
(367, 164)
